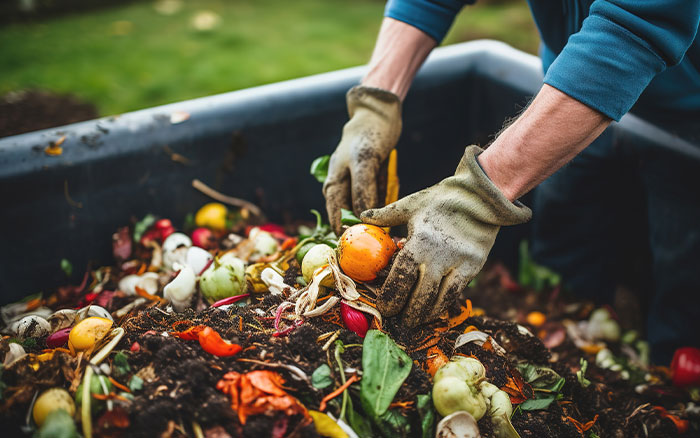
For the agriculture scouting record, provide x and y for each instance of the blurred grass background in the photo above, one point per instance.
(149, 53)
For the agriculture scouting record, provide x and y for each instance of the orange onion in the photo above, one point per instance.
(364, 250)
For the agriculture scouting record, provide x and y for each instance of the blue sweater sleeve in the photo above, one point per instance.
(621, 46)
(433, 17)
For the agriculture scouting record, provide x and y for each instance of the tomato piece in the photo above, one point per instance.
(685, 367)
(211, 342)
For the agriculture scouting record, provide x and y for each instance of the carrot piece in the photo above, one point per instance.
(337, 392)
(118, 385)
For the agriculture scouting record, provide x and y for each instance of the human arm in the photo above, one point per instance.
(375, 119)
(551, 131)
(399, 52)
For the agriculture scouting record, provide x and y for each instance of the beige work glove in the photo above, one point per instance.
(451, 229)
(368, 138)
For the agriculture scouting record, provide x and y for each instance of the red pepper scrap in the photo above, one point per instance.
(190, 334)
(211, 342)
(681, 425)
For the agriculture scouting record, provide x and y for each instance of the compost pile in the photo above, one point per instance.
(228, 330)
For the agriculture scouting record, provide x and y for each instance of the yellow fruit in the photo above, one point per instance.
(364, 250)
(51, 400)
(212, 215)
(88, 332)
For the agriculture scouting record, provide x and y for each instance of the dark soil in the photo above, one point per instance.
(32, 110)
(180, 378)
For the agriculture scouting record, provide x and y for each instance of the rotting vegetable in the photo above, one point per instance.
(364, 250)
(224, 278)
(51, 400)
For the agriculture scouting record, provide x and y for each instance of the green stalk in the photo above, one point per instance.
(337, 352)
(86, 418)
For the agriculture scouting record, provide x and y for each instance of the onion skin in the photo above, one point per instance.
(354, 320)
(364, 250)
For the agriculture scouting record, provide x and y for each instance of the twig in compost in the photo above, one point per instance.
(330, 340)
(235, 202)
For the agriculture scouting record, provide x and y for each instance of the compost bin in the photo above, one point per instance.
(66, 191)
(254, 144)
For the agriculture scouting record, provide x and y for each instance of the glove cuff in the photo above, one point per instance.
(495, 209)
(377, 100)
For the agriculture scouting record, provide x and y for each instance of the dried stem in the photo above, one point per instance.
(235, 202)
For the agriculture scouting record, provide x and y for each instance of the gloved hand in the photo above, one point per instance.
(451, 229)
(368, 138)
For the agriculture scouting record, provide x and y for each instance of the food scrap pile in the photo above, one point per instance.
(224, 329)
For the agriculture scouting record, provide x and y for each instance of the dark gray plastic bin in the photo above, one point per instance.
(255, 144)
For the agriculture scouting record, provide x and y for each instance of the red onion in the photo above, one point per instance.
(59, 338)
(163, 224)
(165, 228)
(201, 237)
(354, 320)
(230, 300)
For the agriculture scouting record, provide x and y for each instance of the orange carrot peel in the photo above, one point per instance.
(337, 392)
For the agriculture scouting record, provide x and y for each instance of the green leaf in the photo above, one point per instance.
(533, 275)
(67, 267)
(347, 217)
(385, 366)
(121, 364)
(321, 377)
(543, 400)
(319, 221)
(540, 403)
(143, 225)
(319, 168)
(592, 434)
(189, 223)
(546, 382)
(540, 377)
(393, 424)
(135, 383)
(360, 424)
(427, 415)
(27, 343)
(58, 424)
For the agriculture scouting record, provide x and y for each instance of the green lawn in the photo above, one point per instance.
(135, 57)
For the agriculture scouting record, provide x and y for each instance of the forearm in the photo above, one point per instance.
(398, 54)
(553, 129)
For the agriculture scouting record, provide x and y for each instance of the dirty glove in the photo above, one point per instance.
(451, 229)
(368, 138)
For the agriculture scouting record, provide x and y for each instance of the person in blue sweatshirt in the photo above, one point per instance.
(602, 59)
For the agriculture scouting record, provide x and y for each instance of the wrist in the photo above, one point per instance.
(507, 185)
